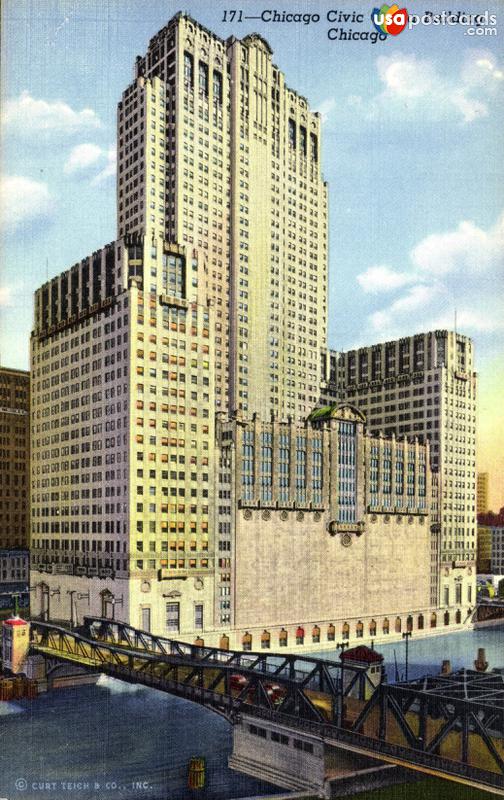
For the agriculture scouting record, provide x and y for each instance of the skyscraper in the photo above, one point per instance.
(216, 152)
(212, 297)
(425, 386)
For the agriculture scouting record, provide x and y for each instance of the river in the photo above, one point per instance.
(114, 741)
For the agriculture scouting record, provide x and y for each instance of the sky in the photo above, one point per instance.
(413, 152)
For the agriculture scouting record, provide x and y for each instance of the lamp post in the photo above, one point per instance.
(115, 601)
(341, 646)
(406, 636)
(73, 605)
(71, 592)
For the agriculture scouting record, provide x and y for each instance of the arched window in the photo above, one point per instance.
(420, 622)
(224, 642)
(446, 619)
(265, 640)
(331, 633)
(345, 631)
(433, 619)
(283, 638)
(315, 634)
(409, 623)
(458, 617)
(300, 635)
(372, 628)
(247, 641)
(359, 630)
(398, 625)
(386, 625)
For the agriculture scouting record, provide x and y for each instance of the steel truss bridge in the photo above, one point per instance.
(449, 726)
(487, 609)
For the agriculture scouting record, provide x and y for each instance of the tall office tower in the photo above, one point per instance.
(482, 493)
(215, 151)
(122, 440)
(212, 297)
(425, 386)
(14, 457)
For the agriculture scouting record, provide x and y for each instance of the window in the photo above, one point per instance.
(198, 616)
(203, 79)
(188, 70)
(292, 133)
(347, 472)
(173, 617)
(217, 87)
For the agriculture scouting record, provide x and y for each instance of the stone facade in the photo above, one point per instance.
(321, 529)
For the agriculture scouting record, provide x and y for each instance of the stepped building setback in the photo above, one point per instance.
(182, 478)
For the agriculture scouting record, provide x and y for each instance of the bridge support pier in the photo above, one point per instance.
(299, 761)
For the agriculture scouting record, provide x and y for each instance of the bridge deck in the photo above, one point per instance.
(451, 727)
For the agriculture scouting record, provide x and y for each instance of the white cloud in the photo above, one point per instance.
(82, 157)
(382, 279)
(468, 248)
(469, 107)
(9, 293)
(414, 84)
(325, 107)
(416, 299)
(406, 75)
(6, 296)
(460, 270)
(109, 170)
(481, 69)
(23, 200)
(85, 157)
(27, 115)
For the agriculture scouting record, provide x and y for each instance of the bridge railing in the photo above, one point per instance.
(380, 747)
(291, 665)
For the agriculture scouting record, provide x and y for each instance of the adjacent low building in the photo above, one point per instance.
(482, 486)
(491, 543)
(14, 489)
(14, 458)
(14, 582)
(324, 533)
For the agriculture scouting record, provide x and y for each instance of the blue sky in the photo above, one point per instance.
(413, 152)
